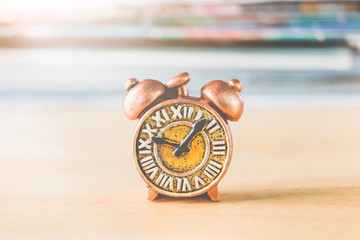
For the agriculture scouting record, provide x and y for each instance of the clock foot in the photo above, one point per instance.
(214, 194)
(152, 194)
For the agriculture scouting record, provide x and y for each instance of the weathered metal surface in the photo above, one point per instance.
(225, 97)
(182, 145)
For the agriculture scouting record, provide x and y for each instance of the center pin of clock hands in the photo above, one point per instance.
(159, 140)
(196, 128)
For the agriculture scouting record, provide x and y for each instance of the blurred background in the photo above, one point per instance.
(285, 52)
(66, 168)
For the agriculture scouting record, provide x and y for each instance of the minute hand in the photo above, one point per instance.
(158, 140)
(196, 128)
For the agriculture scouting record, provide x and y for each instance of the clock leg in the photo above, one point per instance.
(214, 194)
(152, 194)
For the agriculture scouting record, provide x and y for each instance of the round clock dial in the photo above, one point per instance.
(182, 147)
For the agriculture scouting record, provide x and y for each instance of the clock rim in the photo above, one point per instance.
(227, 161)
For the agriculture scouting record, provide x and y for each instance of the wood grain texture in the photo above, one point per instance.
(68, 173)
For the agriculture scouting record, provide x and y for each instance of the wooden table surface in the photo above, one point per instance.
(68, 173)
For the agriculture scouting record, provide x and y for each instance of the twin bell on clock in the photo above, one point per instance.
(182, 145)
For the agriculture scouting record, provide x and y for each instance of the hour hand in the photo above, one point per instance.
(159, 140)
(195, 129)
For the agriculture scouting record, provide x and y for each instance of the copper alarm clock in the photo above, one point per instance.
(182, 145)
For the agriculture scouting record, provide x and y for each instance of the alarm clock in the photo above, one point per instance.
(182, 145)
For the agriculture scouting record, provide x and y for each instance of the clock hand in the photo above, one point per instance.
(196, 128)
(159, 140)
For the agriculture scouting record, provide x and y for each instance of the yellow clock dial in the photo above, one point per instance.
(186, 162)
(182, 147)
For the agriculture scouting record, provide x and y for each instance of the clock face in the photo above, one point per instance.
(182, 147)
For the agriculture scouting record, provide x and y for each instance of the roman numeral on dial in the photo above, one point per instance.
(179, 112)
(176, 112)
(149, 166)
(199, 182)
(183, 185)
(165, 181)
(212, 126)
(158, 119)
(218, 147)
(145, 146)
(189, 112)
(198, 115)
(212, 169)
(183, 112)
(149, 130)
